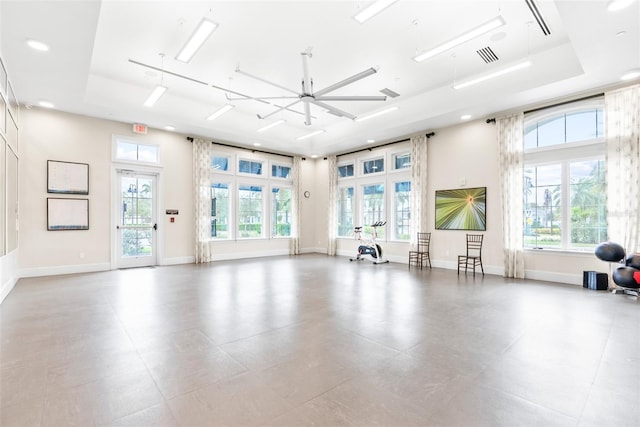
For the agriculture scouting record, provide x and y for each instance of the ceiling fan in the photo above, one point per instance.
(308, 96)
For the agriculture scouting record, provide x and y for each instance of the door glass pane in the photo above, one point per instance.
(137, 216)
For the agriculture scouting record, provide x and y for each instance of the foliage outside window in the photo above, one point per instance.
(137, 205)
(402, 206)
(373, 207)
(250, 204)
(280, 212)
(564, 180)
(220, 211)
(345, 211)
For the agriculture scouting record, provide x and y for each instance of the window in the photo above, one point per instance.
(132, 151)
(220, 163)
(345, 171)
(402, 208)
(250, 167)
(280, 212)
(278, 171)
(402, 161)
(372, 166)
(220, 211)
(250, 211)
(345, 211)
(373, 207)
(564, 178)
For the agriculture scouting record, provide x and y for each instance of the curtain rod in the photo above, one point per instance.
(429, 135)
(253, 150)
(571, 101)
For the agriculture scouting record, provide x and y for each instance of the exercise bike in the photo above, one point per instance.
(369, 246)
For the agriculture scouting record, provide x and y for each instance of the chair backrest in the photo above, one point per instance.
(423, 241)
(474, 244)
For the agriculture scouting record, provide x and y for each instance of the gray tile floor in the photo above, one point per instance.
(315, 341)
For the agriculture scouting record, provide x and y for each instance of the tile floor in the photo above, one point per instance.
(315, 341)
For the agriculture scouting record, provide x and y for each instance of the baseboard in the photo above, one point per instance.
(8, 273)
(7, 287)
(550, 276)
(64, 269)
(179, 260)
(316, 250)
(244, 255)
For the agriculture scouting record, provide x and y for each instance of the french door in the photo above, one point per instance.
(136, 223)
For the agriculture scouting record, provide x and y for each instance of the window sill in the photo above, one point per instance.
(558, 252)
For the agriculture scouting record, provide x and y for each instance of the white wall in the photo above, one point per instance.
(50, 135)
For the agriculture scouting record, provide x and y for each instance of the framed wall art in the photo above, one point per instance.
(67, 214)
(67, 177)
(462, 209)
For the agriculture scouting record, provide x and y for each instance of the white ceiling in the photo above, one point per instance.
(87, 70)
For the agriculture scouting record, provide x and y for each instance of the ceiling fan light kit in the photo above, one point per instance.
(481, 29)
(196, 40)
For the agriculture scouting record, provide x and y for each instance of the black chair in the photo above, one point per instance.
(420, 256)
(474, 254)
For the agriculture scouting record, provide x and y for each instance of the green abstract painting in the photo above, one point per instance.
(461, 209)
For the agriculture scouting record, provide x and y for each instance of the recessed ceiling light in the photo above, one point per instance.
(46, 104)
(220, 112)
(616, 5)
(465, 117)
(379, 113)
(370, 141)
(621, 33)
(38, 45)
(309, 135)
(256, 144)
(170, 128)
(373, 10)
(631, 74)
(314, 156)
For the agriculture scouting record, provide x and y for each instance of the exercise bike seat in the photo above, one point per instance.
(378, 224)
(358, 228)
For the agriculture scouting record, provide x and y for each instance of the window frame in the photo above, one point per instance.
(114, 151)
(273, 221)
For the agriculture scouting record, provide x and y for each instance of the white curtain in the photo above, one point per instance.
(622, 112)
(294, 242)
(202, 151)
(510, 158)
(331, 214)
(418, 188)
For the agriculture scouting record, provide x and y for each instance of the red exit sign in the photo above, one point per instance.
(140, 128)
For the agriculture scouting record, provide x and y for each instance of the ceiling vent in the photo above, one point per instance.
(487, 55)
(390, 93)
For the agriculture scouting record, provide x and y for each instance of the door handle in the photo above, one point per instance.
(117, 227)
(155, 226)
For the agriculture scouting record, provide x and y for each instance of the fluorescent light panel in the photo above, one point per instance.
(197, 39)
(271, 125)
(38, 45)
(379, 113)
(373, 10)
(309, 135)
(155, 95)
(539, 18)
(496, 22)
(498, 73)
(221, 111)
(617, 5)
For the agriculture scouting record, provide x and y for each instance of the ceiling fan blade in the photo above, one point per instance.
(347, 81)
(168, 72)
(307, 88)
(260, 79)
(257, 98)
(286, 107)
(332, 109)
(307, 114)
(351, 98)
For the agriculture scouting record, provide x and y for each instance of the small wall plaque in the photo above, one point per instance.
(172, 211)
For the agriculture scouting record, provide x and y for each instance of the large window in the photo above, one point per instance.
(250, 211)
(565, 187)
(280, 212)
(372, 192)
(220, 211)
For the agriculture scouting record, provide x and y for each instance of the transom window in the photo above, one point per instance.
(136, 152)
(250, 167)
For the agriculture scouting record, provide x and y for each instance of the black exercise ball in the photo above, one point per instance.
(633, 261)
(609, 251)
(627, 277)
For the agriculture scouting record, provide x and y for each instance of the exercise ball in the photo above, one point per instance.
(633, 261)
(609, 251)
(626, 277)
